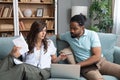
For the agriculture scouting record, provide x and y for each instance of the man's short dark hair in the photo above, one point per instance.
(80, 19)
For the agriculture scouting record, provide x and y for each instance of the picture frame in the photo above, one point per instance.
(39, 12)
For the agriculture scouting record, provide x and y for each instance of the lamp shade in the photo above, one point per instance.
(79, 9)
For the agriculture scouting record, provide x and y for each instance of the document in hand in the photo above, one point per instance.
(20, 42)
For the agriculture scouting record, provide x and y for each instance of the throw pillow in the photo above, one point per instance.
(69, 53)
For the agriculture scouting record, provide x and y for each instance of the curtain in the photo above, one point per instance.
(116, 20)
(116, 17)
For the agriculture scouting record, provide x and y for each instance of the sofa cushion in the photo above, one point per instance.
(106, 77)
(60, 79)
(6, 47)
(53, 38)
(108, 42)
(116, 54)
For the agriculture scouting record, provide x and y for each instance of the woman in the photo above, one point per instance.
(37, 59)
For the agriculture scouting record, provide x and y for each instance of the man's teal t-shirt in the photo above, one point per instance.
(82, 46)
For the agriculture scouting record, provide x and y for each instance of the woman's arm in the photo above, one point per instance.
(56, 59)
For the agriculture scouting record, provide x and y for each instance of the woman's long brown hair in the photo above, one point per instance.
(36, 27)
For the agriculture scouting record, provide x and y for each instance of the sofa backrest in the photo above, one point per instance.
(59, 44)
(6, 46)
(108, 41)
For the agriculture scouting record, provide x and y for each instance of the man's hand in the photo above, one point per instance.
(62, 56)
(15, 52)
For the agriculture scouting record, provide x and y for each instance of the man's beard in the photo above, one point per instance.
(73, 35)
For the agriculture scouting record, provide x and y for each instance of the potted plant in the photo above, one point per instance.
(100, 13)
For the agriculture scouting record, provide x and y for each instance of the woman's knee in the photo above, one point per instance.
(21, 66)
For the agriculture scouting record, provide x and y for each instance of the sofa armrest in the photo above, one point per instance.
(116, 54)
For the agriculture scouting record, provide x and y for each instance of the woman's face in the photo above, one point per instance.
(41, 35)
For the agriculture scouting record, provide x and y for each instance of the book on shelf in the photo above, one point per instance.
(37, 1)
(45, 12)
(22, 0)
(1, 10)
(50, 24)
(5, 12)
(21, 25)
(28, 0)
(7, 0)
(6, 26)
(10, 12)
(47, 1)
(20, 13)
(25, 0)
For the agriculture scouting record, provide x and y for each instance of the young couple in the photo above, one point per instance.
(85, 44)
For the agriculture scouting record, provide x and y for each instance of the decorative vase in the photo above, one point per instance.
(27, 12)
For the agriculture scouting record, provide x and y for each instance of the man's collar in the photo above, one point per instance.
(85, 32)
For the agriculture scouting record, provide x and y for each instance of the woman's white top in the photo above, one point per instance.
(40, 58)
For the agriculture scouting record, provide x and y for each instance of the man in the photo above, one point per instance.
(87, 50)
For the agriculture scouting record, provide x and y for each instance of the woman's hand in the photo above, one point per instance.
(15, 52)
(56, 59)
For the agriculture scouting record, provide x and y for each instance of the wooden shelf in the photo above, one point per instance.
(37, 18)
(6, 2)
(1, 31)
(11, 18)
(40, 3)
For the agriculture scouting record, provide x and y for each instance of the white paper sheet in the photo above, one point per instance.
(16, 61)
(20, 42)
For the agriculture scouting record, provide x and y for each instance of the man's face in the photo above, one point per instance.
(76, 30)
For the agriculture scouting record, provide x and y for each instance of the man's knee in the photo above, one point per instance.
(93, 75)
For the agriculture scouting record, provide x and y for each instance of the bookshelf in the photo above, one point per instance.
(6, 18)
(39, 10)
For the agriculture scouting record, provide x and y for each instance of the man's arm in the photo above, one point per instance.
(96, 51)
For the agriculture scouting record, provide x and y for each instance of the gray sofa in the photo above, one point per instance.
(108, 41)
